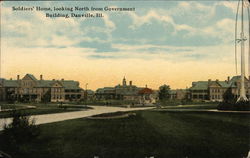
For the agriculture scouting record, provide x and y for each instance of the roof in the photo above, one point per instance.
(10, 83)
(235, 79)
(44, 83)
(200, 85)
(224, 84)
(145, 91)
(90, 91)
(31, 76)
(125, 86)
(70, 84)
(108, 88)
(67, 84)
(203, 85)
(105, 89)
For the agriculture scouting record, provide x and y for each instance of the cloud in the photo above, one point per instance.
(35, 30)
(157, 30)
(140, 20)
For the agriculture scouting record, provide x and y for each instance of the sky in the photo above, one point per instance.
(161, 42)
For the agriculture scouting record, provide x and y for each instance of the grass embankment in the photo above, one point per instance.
(40, 109)
(195, 107)
(11, 106)
(118, 103)
(149, 133)
(183, 102)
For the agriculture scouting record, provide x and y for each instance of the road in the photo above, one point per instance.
(49, 118)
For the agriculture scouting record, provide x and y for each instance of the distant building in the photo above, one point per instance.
(105, 93)
(89, 94)
(124, 91)
(31, 89)
(179, 94)
(147, 96)
(214, 90)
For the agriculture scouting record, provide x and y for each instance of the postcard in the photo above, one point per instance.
(125, 79)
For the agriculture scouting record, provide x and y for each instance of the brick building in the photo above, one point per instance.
(214, 90)
(30, 89)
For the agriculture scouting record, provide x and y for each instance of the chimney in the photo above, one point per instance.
(228, 78)
(18, 77)
(146, 86)
(209, 81)
(130, 83)
(41, 77)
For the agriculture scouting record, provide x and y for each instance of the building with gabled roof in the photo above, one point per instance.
(31, 89)
(214, 90)
(124, 91)
(147, 96)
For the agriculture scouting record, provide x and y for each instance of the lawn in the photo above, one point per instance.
(40, 109)
(199, 106)
(161, 134)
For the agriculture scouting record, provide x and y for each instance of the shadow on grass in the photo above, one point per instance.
(149, 133)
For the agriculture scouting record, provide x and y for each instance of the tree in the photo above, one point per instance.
(46, 97)
(19, 132)
(229, 97)
(164, 92)
(230, 102)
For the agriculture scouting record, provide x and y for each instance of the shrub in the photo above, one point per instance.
(238, 106)
(230, 103)
(20, 131)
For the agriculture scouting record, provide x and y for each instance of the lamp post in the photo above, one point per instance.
(86, 91)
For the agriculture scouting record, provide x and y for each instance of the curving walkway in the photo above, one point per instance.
(49, 118)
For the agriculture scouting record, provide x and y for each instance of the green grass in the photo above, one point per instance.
(200, 106)
(162, 134)
(183, 102)
(109, 102)
(43, 109)
(11, 106)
